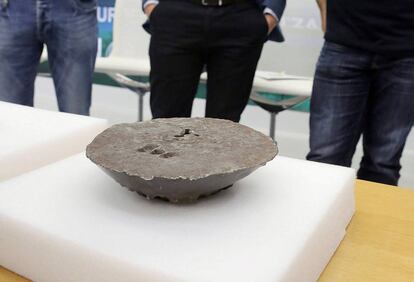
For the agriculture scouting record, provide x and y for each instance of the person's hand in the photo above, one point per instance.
(148, 9)
(271, 22)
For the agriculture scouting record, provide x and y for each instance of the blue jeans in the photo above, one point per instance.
(359, 93)
(69, 29)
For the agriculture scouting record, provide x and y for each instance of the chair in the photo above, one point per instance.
(298, 87)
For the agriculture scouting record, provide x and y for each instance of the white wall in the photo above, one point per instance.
(304, 39)
(120, 105)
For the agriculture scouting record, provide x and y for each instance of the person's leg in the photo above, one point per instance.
(236, 40)
(71, 38)
(20, 51)
(390, 118)
(176, 53)
(338, 103)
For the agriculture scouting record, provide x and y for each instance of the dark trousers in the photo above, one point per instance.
(186, 37)
(357, 92)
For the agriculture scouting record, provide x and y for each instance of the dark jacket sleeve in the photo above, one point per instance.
(143, 3)
(277, 6)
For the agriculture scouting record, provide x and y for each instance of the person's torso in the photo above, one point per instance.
(382, 26)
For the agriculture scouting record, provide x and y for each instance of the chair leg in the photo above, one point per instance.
(272, 125)
(140, 105)
(138, 87)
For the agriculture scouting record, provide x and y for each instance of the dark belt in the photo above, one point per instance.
(219, 2)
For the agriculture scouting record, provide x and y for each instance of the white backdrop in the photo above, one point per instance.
(304, 38)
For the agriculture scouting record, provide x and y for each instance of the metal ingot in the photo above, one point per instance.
(180, 159)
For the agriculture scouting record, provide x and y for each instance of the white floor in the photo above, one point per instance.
(120, 105)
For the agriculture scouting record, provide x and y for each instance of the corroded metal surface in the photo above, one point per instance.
(180, 159)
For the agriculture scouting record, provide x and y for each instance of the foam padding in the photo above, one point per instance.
(31, 138)
(70, 222)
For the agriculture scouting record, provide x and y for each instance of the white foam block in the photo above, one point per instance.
(31, 138)
(71, 222)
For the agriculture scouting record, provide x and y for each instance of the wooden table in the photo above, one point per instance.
(379, 245)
